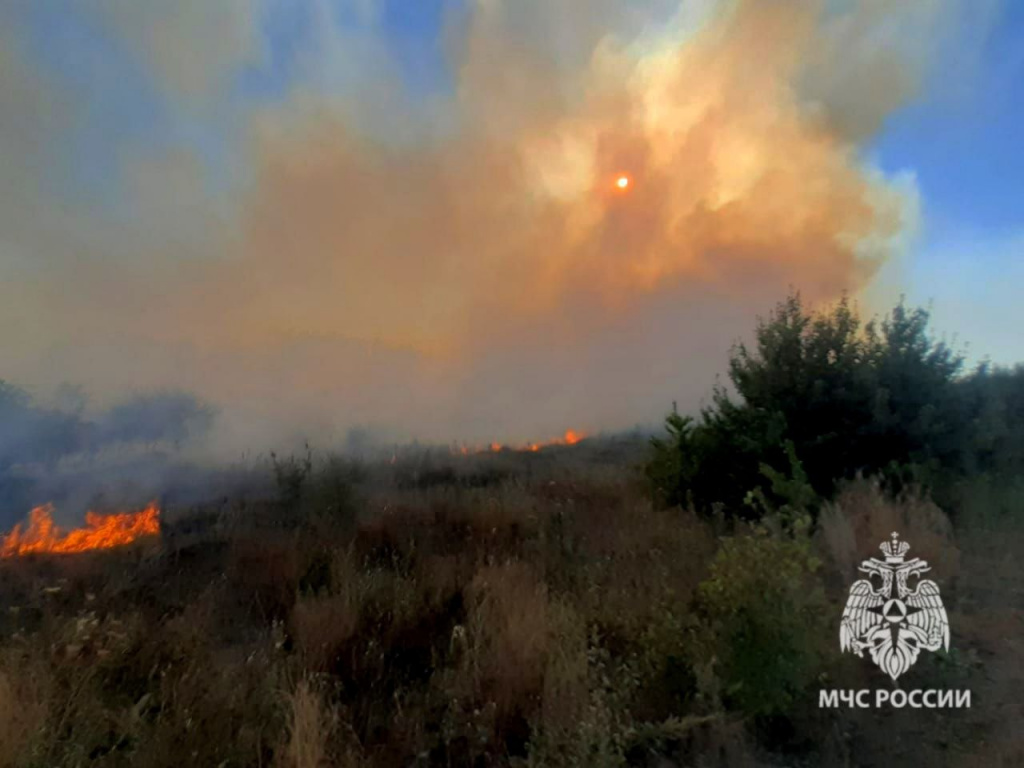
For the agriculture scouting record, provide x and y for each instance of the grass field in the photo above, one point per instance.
(512, 608)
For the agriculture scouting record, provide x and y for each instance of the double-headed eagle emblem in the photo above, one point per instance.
(894, 622)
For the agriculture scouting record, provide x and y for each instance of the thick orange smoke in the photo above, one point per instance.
(100, 532)
(738, 180)
(467, 265)
(481, 250)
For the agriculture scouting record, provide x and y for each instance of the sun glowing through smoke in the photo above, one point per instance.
(622, 182)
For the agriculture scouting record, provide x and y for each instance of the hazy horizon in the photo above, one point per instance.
(327, 215)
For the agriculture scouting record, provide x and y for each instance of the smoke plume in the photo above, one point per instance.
(459, 260)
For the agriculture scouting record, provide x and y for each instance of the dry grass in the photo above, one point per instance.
(321, 626)
(507, 635)
(852, 527)
(310, 723)
(510, 612)
(25, 694)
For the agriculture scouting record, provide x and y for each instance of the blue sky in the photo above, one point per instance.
(965, 147)
(963, 141)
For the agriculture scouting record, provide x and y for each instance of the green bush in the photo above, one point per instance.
(766, 620)
(673, 468)
(848, 397)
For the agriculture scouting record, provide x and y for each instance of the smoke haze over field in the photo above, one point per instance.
(442, 254)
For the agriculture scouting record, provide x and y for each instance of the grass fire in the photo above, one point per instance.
(101, 531)
(511, 383)
(664, 597)
(570, 437)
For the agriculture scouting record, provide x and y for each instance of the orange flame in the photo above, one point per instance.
(100, 532)
(571, 437)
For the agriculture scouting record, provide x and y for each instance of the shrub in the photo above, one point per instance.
(676, 461)
(765, 611)
(848, 397)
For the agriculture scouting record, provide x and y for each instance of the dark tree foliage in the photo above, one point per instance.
(993, 401)
(883, 397)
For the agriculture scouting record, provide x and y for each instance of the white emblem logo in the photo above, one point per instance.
(894, 622)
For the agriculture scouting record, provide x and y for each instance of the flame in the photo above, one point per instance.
(571, 437)
(100, 532)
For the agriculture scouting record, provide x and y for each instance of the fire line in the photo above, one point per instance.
(41, 535)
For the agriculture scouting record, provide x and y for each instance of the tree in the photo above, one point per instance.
(841, 396)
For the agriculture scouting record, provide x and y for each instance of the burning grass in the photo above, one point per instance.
(551, 616)
(42, 536)
(569, 438)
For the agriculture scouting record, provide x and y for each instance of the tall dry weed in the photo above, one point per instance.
(24, 710)
(508, 633)
(320, 624)
(862, 516)
(310, 725)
